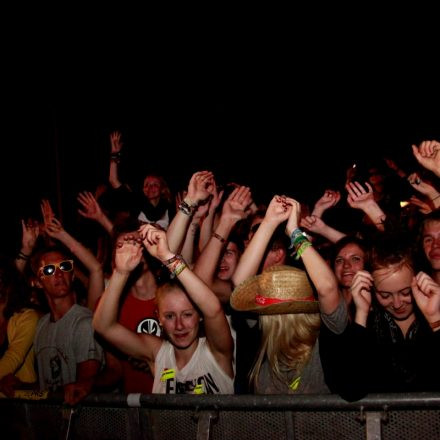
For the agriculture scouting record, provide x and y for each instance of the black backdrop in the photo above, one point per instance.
(277, 126)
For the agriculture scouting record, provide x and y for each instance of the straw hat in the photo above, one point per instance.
(278, 290)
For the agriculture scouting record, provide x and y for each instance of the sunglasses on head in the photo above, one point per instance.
(64, 266)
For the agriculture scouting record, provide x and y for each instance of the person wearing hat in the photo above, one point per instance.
(288, 360)
(267, 248)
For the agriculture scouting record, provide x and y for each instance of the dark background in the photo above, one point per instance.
(283, 118)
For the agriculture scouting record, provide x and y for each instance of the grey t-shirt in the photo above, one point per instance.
(59, 346)
(311, 378)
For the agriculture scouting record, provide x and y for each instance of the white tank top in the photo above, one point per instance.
(201, 375)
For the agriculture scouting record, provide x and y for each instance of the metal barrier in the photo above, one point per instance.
(181, 417)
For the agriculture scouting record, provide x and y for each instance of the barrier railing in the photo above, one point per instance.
(181, 417)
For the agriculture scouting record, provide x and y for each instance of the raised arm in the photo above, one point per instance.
(115, 156)
(234, 209)
(29, 235)
(191, 232)
(199, 189)
(277, 212)
(217, 329)
(142, 346)
(208, 222)
(329, 199)
(96, 274)
(319, 271)
(318, 226)
(92, 210)
(427, 155)
(359, 198)
(431, 193)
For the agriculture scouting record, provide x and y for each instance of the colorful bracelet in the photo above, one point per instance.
(302, 248)
(180, 268)
(172, 259)
(295, 236)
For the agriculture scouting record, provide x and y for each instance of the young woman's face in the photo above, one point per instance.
(152, 187)
(393, 291)
(179, 318)
(350, 259)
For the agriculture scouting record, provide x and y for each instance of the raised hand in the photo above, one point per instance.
(201, 186)
(54, 228)
(426, 292)
(312, 223)
(128, 253)
(30, 232)
(358, 197)
(422, 186)
(91, 208)
(46, 211)
(116, 142)
(426, 155)
(294, 215)
(278, 210)
(201, 210)
(328, 199)
(236, 204)
(155, 241)
(216, 198)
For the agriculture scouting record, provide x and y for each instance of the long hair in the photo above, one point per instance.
(165, 192)
(287, 342)
(14, 291)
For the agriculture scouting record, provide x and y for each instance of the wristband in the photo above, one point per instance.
(435, 324)
(22, 256)
(172, 260)
(186, 209)
(219, 237)
(115, 157)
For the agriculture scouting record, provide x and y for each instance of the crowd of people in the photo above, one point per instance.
(216, 294)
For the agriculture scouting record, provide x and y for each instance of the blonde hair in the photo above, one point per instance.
(287, 343)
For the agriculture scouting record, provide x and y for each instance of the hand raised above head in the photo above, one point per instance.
(155, 241)
(116, 141)
(128, 252)
(278, 210)
(359, 197)
(91, 208)
(201, 185)
(236, 204)
(427, 155)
